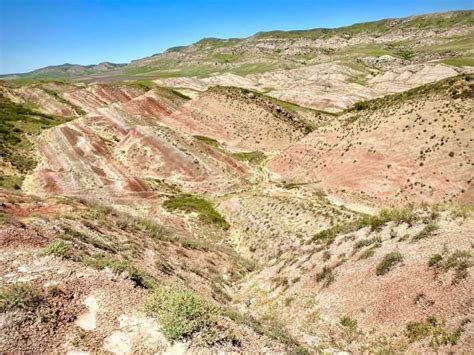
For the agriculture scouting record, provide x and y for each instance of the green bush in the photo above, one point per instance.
(181, 314)
(405, 54)
(204, 208)
(459, 260)
(388, 262)
(326, 236)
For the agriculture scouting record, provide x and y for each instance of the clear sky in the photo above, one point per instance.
(37, 33)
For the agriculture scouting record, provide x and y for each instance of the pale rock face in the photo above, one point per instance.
(327, 86)
(87, 321)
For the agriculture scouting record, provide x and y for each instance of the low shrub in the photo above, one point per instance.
(326, 276)
(348, 322)
(180, 313)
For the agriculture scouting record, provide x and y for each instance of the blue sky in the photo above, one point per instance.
(37, 33)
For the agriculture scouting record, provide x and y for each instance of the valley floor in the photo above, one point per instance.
(136, 219)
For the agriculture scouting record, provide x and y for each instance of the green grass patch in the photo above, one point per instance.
(436, 330)
(208, 140)
(17, 122)
(459, 62)
(204, 208)
(388, 263)
(348, 322)
(366, 242)
(57, 248)
(256, 68)
(226, 57)
(255, 157)
(100, 262)
(425, 232)
(368, 253)
(11, 182)
(139, 224)
(19, 296)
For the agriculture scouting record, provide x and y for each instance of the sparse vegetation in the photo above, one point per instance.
(100, 262)
(425, 232)
(398, 216)
(326, 276)
(204, 208)
(16, 123)
(388, 262)
(459, 261)
(19, 296)
(367, 253)
(434, 328)
(191, 271)
(366, 242)
(145, 225)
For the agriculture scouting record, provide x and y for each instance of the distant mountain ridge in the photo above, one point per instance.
(271, 50)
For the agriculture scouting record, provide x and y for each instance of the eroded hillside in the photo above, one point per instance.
(319, 208)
